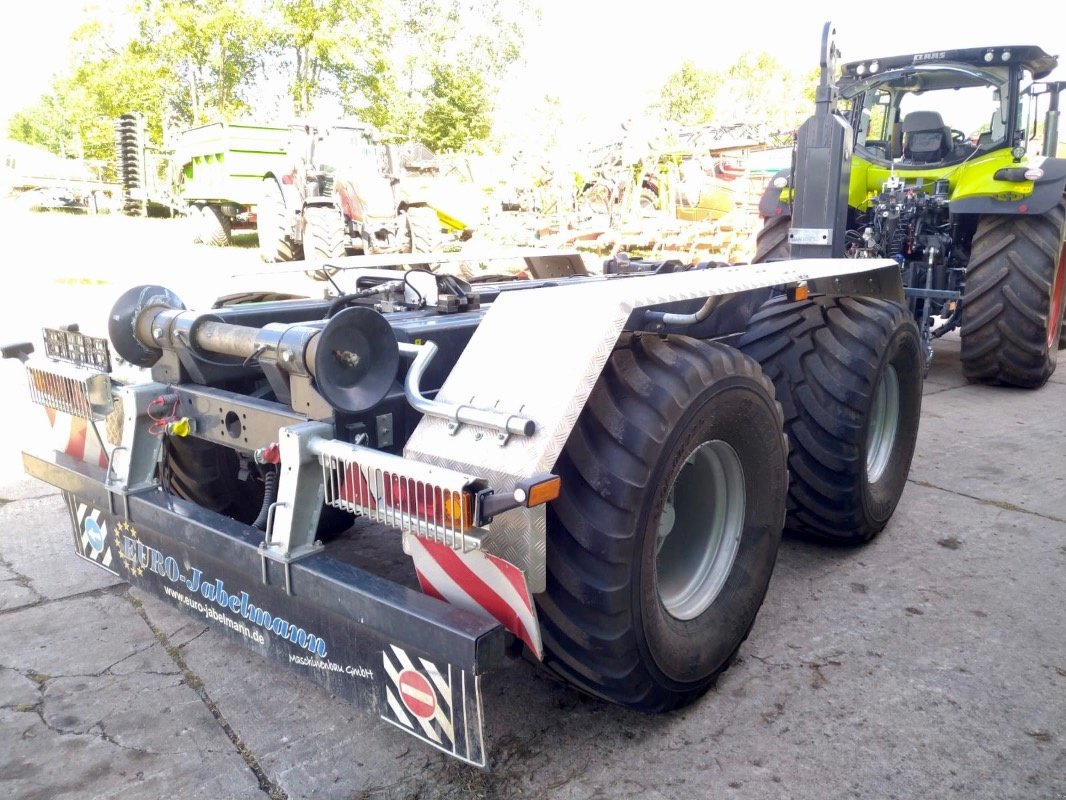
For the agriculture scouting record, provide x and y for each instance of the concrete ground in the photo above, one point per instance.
(930, 663)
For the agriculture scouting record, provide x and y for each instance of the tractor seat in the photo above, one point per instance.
(925, 137)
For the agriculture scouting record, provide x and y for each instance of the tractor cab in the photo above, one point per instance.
(931, 110)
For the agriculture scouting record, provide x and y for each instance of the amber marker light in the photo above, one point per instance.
(542, 492)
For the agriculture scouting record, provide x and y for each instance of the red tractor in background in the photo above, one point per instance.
(343, 192)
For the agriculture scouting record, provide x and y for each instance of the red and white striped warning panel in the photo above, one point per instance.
(478, 582)
(441, 707)
(75, 437)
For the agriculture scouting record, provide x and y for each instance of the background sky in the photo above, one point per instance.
(606, 59)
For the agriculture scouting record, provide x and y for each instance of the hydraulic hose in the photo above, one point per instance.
(270, 494)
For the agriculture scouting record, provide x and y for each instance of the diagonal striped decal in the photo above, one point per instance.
(71, 435)
(82, 518)
(438, 727)
(478, 582)
(436, 704)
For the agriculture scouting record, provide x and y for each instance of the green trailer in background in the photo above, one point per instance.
(221, 168)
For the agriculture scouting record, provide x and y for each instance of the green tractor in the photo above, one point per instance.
(924, 159)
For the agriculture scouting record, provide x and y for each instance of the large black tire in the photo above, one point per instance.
(323, 238)
(771, 242)
(848, 373)
(208, 474)
(195, 224)
(275, 243)
(216, 227)
(1012, 306)
(423, 230)
(656, 566)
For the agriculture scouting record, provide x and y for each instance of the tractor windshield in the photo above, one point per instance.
(930, 115)
(347, 149)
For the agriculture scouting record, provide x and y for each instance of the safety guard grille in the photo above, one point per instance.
(71, 390)
(431, 502)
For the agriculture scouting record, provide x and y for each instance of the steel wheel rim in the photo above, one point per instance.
(700, 529)
(884, 423)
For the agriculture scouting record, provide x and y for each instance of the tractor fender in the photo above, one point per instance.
(1047, 192)
(774, 201)
(288, 192)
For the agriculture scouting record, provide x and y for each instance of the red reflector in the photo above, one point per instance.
(408, 496)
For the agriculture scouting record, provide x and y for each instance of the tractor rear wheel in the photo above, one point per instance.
(848, 373)
(323, 239)
(771, 242)
(275, 244)
(216, 227)
(661, 545)
(1012, 306)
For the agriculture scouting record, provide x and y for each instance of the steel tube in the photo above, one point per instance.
(497, 420)
(226, 339)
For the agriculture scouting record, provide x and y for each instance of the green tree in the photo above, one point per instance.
(688, 95)
(329, 48)
(458, 110)
(756, 89)
(215, 50)
(411, 67)
(108, 77)
(444, 62)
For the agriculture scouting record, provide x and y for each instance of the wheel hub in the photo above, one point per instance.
(884, 423)
(699, 529)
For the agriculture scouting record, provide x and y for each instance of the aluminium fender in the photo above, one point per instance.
(1047, 192)
(551, 382)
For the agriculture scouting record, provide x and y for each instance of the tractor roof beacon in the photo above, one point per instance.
(942, 162)
(606, 493)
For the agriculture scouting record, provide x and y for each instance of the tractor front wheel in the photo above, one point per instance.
(275, 243)
(661, 545)
(423, 230)
(323, 239)
(1012, 306)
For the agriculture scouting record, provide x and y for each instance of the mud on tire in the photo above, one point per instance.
(661, 546)
(848, 375)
